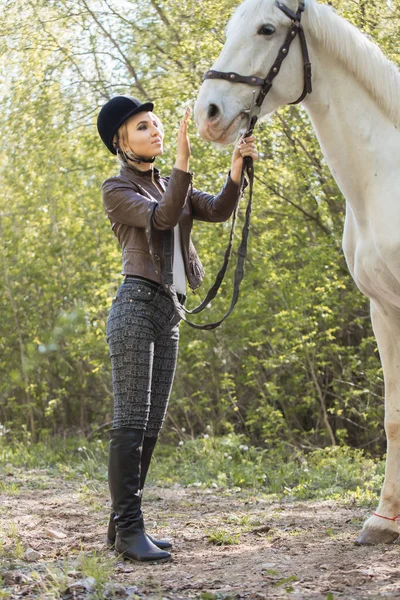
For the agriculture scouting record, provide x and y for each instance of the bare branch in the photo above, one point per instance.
(308, 215)
(127, 62)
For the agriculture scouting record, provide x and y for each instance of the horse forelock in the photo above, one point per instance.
(249, 11)
(257, 9)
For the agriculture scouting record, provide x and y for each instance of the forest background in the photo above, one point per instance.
(296, 363)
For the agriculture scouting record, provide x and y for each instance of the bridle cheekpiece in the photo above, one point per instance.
(266, 84)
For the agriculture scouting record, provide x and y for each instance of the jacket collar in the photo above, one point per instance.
(131, 172)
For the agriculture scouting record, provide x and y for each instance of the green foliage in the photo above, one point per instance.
(296, 363)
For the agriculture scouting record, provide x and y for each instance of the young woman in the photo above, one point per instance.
(142, 326)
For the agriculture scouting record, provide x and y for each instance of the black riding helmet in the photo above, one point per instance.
(114, 113)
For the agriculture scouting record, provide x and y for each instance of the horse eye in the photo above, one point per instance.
(266, 30)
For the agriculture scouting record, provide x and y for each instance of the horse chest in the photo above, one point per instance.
(373, 259)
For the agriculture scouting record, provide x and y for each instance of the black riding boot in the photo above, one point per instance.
(124, 468)
(149, 444)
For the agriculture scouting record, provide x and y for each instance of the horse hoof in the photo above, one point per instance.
(370, 537)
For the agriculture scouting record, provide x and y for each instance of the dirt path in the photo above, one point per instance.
(286, 550)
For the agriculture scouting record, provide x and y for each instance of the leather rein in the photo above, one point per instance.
(266, 85)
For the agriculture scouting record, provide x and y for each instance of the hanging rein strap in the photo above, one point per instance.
(167, 276)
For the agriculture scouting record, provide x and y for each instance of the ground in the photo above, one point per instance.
(271, 549)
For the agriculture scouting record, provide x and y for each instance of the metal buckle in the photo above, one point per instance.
(254, 109)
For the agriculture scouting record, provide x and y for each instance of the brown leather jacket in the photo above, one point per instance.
(140, 211)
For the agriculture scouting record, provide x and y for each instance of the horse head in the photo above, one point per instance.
(255, 36)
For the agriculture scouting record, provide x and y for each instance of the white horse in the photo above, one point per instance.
(355, 111)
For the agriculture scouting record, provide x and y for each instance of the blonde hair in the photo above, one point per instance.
(121, 137)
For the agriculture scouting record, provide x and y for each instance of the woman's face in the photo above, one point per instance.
(143, 133)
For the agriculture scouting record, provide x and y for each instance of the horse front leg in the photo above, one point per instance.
(384, 528)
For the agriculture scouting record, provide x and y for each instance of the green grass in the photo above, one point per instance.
(54, 579)
(72, 457)
(228, 464)
(89, 495)
(98, 565)
(285, 582)
(11, 546)
(9, 488)
(221, 537)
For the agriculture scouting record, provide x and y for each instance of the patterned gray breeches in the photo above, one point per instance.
(143, 338)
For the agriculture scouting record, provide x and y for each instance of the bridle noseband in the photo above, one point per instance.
(266, 84)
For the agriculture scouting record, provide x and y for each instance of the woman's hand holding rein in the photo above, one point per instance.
(243, 147)
(183, 154)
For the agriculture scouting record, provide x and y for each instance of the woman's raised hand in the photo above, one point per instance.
(244, 147)
(183, 154)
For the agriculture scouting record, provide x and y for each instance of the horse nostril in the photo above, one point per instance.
(213, 112)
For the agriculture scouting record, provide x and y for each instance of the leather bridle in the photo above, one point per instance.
(266, 84)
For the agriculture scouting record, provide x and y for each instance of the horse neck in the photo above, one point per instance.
(359, 141)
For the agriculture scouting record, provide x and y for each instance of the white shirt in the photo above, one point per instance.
(178, 265)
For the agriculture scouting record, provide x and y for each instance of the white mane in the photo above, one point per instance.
(366, 61)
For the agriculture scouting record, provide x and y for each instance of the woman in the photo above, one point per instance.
(142, 327)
